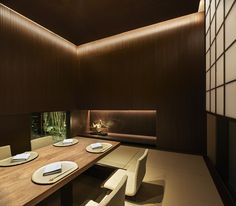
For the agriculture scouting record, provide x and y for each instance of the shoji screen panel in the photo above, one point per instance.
(220, 34)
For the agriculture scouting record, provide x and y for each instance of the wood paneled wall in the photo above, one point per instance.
(156, 67)
(211, 137)
(36, 74)
(35, 67)
(79, 122)
(15, 131)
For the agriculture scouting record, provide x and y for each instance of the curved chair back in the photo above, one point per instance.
(41, 142)
(5, 152)
(117, 196)
(140, 170)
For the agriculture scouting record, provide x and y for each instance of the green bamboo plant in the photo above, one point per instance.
(54, 123)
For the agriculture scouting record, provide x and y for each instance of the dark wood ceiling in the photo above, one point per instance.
(82, 21)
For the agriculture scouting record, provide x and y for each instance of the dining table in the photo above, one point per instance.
(17, 187)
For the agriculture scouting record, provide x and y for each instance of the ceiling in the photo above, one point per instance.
(82, 21)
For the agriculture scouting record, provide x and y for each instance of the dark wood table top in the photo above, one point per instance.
(16, 187)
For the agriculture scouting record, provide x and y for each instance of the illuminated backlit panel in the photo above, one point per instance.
(213, 53)
(219, 15)
(220, 71)
(212, 7)
(208, 60)
(207, 41)
(213, 30)
(208, 80)
(221, 57)
(220, 42)
(230, 107)
(213, 82)
(228, 5)
(135, 122)
(230, 28)
(230, 63)
(207, 4)
(207, 22)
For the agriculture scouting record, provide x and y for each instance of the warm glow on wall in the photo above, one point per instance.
(133, 35)
(30, 26)
(124, 111)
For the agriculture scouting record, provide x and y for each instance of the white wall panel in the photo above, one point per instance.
(207, 41)
(208, 60)
(221, 57)
(228, 4)
(212, 8)
(208, 80)
(213, 32)
(230, 64)
(213, 53)
(207, 21)
(213, 101)
(230, 27)
(207, 4)
(219, 15)
(230, 101)
(213, 82)
(220, 42)
(220, 71)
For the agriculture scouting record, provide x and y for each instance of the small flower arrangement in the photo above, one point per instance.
(99, 127)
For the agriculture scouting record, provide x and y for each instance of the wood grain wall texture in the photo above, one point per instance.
(35, 76)
(35, 67)
(156, 67)
(15, 131)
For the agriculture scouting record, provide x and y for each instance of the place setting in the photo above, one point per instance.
(66, 142)
(98, 147)
(53, 172)
(19, 159)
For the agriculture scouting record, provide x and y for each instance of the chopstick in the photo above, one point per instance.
(53, 178)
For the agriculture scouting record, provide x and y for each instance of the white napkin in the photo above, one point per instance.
(52, 168)
(23, 156)
(67, 141)
(96, 145)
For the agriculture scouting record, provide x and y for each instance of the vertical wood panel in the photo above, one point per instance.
(36, 74)
(156, 67)
(211, 138)
(34, 68)
(79, 122)
(15, 131)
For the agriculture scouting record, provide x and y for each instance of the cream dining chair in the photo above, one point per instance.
(41, 142)
(115, 198)
(135, 177)
(5, 151)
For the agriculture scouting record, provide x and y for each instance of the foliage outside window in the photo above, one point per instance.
(49, 123)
